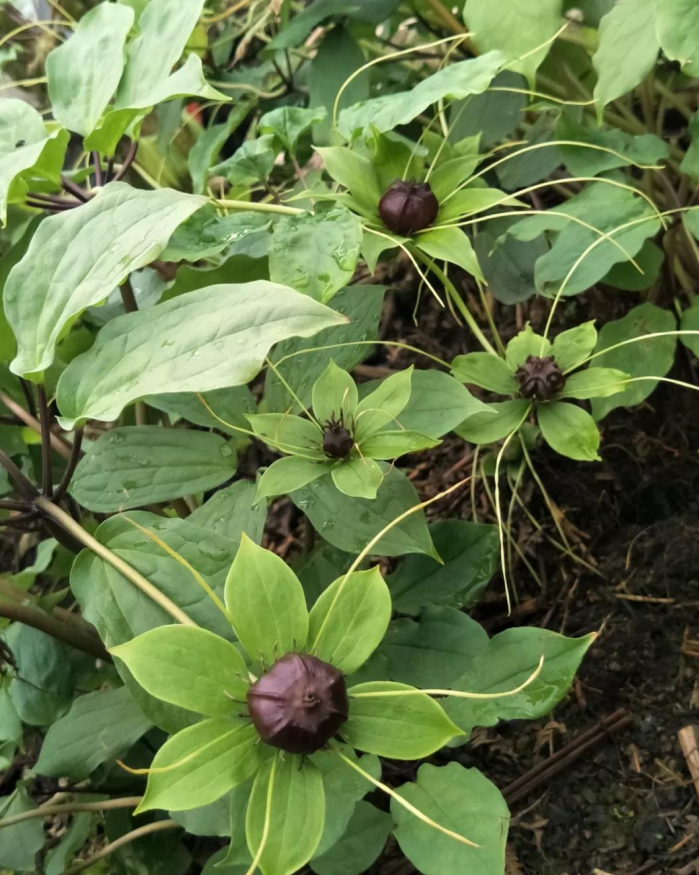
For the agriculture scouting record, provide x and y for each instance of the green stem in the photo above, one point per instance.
(46, 810)
(157, 826)
(77, 531)
(257, 206)
(457, 299)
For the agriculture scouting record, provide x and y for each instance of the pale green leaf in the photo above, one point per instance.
(384, 404)
(392, 444)
(250, 163)
(349, 620)
(360, 844)
(76, 258)
(208, 339)
(581, 161)
(189, 667)
(334, 395)
(288, 474)
(452, 245)
(594, 383)
(230, 512)
(406, 727)
(486, 370)
(136, 465)
(20, 843)
(287, 433)
(266, 604)
(569, 430)
(572, 347)
(678, 31)
(84, 72)
(205, 150)
(497, 422)
(209, 759)
(358, 476)
(524, 344)
(356, 173)
(288, 123)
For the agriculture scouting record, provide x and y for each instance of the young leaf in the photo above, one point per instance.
(203, 154)
(208, 339)
(400, 727)
(252, 162)
(581, 161)
(392, 444)
(358, 477)
(137, 465)
(524, 344)
(294, 807)
(594, 383)
(464, 801)
(384, 404)
(20, 843)
(189, 667)
(289, 434)
(230, 512)
(84, 72)
(99, 726)
(494, 424)
(316, 253)
(266, 603)
(508, 661)
(569, 430)
(350, 523)
(485, 370)
(356, 173)
(288, 474)
(677, 31)
(572, 347)
(76, 258)
(349, 619)
(209, 759)
(452, 245)
(288, 123)
(469, 553)
(334, 395)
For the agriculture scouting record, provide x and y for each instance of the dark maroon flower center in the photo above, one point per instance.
(299, 704)
(407, 207)
(539, 378)
(337, 439)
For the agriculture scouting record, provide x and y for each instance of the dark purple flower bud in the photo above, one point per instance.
(337, 440)
(407, 207)
(299, 704)
(539, 378)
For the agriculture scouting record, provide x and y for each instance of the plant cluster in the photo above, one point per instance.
(209, 212)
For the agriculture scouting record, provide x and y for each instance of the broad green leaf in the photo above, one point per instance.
(76, 258)
(289, 434)
(252, 162)
(266, 603)
(678, 31)
(289, 474)
(581, 161)
(349, 620)
(448, 175)
(509, 660)
(526, 168)
(346, 345)
(230, 512)
(213, 819)
(471, 200)
(26, 150)
(594, 383)
(405, 727)
(84, 72)
(628, 48)
(436, 650)
(8, 345)
(334, 395)
(356, 173)
(524, 344)
(625, 276)
(78, 832)
(452, 245)
(209, 339)
(469, 552)
(209, 143)
(518, 30)
(344, 787)
(485, 370)
(20, 843)
(360, 844)
(189, 667)
(603, 206)
(209, 759)
(302, 24)
(164, 28)
(358, 476)
(492, 115)
(384, 404)
(350, 523)
(498, 422)
(572, 347)
(645, 358)
(569, 430)
(387, 112)
(288, 123)
(296, 808)
(464, 801)
(230, 405)
(690, 322)
(206, 234)
(136, 465)
(392, 444)
(337, 58)
(508, 265)
(316, 253)
(99, 727)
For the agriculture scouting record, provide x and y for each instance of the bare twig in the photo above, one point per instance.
(68, 634)
(57, 443)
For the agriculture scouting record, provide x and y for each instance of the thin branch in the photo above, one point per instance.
(70, 467)
(74, 189)
(96, 160)
(29, 395)
(20, 519)
(149, 828)
(23, 484)
(11, 504)
(128, 161)
(45, 421)
(57, 443)
(64, 632)
(70, 808)
(128, 297)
